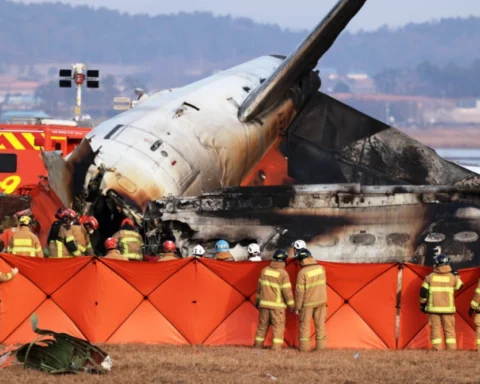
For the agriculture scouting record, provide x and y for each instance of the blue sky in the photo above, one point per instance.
(301, 14)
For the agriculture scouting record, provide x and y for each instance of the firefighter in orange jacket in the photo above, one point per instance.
(475, 310)
(311, 301)
(274, 294)
(130, 241)
(111, 245)
(82, 231)
(61, 241)
(24, 242)
(169, 249)
(437, 299)
(4, 277)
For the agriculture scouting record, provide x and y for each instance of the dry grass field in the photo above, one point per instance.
(160, 364)
(468, 138)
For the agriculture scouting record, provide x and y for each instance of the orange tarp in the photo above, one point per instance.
(202, 301)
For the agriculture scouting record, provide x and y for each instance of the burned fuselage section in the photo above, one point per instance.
(345, 223)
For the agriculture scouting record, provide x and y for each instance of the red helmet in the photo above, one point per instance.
(111, 243)
(91, 221)
(82, 219)
(70, 213)
(169, 246)
(128, 221)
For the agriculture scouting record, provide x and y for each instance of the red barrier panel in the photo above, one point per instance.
(202, 301)
(414, 330)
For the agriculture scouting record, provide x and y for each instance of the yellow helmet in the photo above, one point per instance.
(25, 220)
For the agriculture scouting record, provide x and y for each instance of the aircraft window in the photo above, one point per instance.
(8, 163)
(112, 132)
(164, 154)
(362, 239)
(466, 237)
(246, 89)
(156, 145)
(398, 238)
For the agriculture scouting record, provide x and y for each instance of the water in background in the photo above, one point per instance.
(459, 155)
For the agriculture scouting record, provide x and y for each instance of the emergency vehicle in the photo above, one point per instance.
(21, 165)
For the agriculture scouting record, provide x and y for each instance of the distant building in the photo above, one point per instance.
(23, 116)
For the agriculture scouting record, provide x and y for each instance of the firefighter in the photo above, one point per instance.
(437, 299)
(169, 249)
(274, 294)
(61, 241)
(130, 241)
(111, 245)
(475, 310)
(198, 251)
(222, 251)
(4, 277)
(24, 242)
(82, 230)
(311, 301)
(8, 233)
(254, 252)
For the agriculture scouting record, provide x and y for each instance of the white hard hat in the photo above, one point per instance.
(299, 244)
(254, 249)
(198, 250)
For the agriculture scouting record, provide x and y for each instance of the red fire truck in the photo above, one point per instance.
(21, 165)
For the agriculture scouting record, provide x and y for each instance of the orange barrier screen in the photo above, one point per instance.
(202, 301)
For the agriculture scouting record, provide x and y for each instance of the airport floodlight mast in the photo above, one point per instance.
(78, 74)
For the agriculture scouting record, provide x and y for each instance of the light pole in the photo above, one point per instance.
(77, 74)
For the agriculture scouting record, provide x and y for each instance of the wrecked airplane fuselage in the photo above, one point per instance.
(346, 223)
(216, 133)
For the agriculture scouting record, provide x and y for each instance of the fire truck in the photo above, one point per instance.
(21, 166)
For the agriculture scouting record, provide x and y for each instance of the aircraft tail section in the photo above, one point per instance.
(301, 61)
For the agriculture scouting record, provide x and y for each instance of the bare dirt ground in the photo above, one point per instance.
(160, 364)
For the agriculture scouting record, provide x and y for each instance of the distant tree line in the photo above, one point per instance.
(450, 81)
(56, 32)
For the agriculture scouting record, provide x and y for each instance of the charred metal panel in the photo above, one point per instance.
(345, 223)
(332, 142)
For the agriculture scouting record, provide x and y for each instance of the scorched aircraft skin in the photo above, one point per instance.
(214, 133)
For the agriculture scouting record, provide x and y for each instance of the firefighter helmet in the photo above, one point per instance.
(441, 260)
(222, 246)
(303, 254)
(91, 222)
(169, 246)
(70, 213)
(82, 219)
(25, 220)
(198, 251)
(111, 243)
(299, 244)
(254, 249)
(280, 255)
(128, 221)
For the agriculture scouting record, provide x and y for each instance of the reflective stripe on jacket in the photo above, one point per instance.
(274, 288)
(82, 239)
(475, 304)
(130, 244)
(438, 290)
(64, 246)
(311, 290)
(25, 243)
